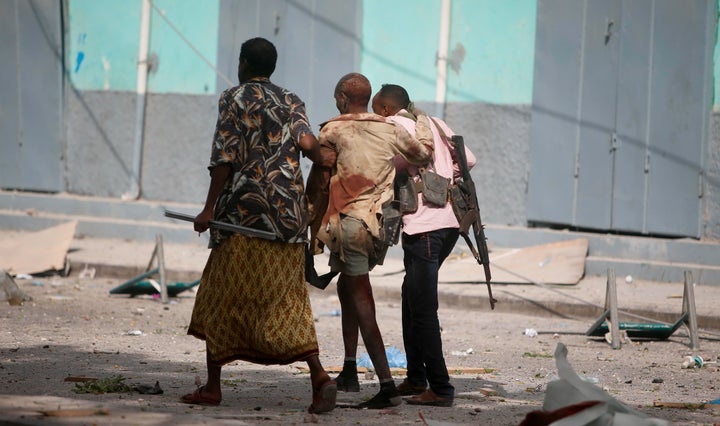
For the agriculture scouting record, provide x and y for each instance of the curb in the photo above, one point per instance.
(509, 302)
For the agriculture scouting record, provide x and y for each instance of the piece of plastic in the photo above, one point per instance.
(396, 359)
(693, 362)
(150, 287)
(570, 389)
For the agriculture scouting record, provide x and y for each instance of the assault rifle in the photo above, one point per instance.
(265, 235)
(311, 275)
(465, 205)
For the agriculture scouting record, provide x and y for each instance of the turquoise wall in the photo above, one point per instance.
(492, 45)
(104, 37)
(103, 44)
(399, 44)
(181, 70)
(497, 41)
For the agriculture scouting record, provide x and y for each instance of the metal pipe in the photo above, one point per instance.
(252, 232)
(142, 75)
(442, 57)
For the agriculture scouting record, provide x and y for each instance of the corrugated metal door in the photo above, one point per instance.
(555, 112)
(598, 76)
(31, 91)
(634, 110)
(632, 118)
(682, 40)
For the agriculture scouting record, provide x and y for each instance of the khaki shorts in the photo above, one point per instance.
(362, 252)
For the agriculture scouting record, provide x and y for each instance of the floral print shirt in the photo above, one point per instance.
(258, 131)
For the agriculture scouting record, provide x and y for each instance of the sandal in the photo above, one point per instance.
(197, 398)
(324, 398)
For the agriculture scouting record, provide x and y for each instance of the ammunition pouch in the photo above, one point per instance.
(391, 222)
(460, 202)
(406, 192)
(435, 188)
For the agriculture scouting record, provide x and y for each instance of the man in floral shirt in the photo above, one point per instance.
(252, 303)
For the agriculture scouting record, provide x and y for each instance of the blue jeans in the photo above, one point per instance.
(422, 255)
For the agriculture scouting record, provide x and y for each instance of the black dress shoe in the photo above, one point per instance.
(406, 388)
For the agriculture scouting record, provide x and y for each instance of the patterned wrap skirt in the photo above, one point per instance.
(253, 303)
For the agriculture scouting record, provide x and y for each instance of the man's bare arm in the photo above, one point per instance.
(218, 176)
(416, 150)
(320, 155)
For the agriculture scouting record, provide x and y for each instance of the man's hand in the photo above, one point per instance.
(415, 111)
(218, 176)
(202, 220)
(328, 157)
(320, 155)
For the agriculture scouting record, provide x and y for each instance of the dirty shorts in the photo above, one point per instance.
(362, 252)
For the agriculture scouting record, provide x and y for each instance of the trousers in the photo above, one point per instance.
(423, 254)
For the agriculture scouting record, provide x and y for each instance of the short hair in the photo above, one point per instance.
(261, 56)
(356, 87)
(395, 94)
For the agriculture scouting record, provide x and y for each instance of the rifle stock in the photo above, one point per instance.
(472, 216)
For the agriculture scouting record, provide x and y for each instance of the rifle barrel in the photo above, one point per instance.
(266, 235)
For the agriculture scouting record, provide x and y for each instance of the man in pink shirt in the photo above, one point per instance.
(429, 235)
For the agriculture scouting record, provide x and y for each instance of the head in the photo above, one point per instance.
(390, 99)
(352, 93)
(257, 59)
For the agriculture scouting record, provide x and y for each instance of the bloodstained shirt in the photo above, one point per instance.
(366, 145)
(258, 131)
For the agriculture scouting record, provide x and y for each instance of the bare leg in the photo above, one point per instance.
(358, 293)
(317, 373)
(347, 380)
(324, 390)
(210, 394)
(349, 316)
(212, 387)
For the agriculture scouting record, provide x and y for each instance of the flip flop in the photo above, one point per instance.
(197, 398)
(328, 395)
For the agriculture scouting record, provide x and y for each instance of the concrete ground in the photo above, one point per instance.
(74, 328)
(648, 300)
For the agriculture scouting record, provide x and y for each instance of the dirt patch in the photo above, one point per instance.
(74, 328)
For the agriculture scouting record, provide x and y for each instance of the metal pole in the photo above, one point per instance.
(142, 74)
(442, 56)
(161, 267)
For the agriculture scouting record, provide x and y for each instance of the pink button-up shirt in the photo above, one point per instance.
(427, 217)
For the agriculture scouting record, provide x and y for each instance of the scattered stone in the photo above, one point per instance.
(148, 390)
(488, 392)
(75, 413)
(77, 379)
